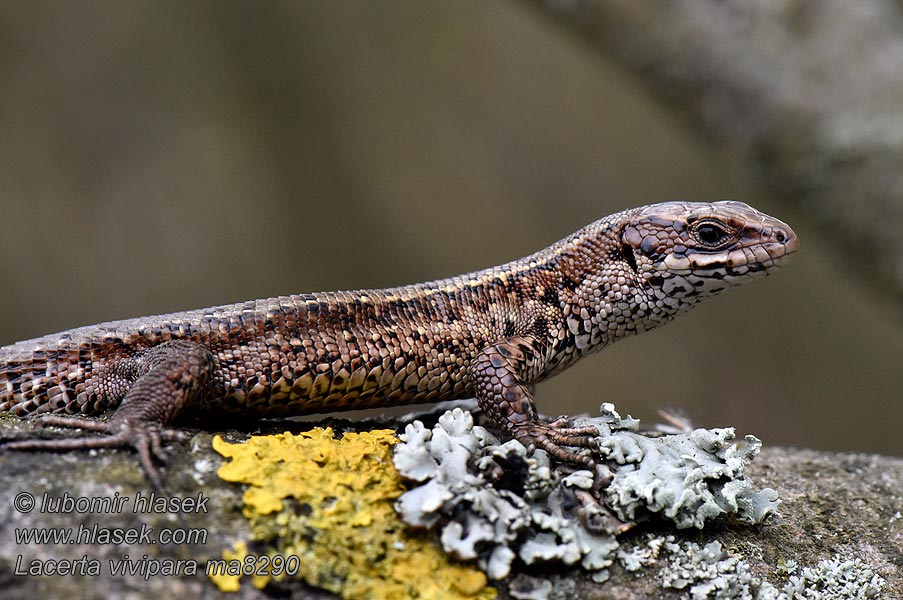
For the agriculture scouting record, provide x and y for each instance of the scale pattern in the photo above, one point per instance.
(490, 334)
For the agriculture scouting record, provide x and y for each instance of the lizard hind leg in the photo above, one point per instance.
(172, 376)
(508, 401)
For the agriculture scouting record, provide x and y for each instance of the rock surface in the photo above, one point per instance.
(845, 508)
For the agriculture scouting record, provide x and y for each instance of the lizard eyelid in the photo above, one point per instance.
(711, 232)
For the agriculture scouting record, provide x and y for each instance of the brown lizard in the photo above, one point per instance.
(491, 334)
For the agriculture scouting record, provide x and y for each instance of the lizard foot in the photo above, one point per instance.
(552, 436)
(146, 438)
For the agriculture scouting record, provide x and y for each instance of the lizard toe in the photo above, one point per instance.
(145, 438)
(553, 440)
(75, 423)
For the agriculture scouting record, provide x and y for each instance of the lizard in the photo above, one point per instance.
(490, 334)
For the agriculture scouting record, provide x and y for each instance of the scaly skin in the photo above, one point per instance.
(491, 334)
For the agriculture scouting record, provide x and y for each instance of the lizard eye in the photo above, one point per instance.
(710, 233)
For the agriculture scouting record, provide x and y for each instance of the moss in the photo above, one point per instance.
(330, 502)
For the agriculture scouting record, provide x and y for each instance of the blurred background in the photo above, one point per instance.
(160, 156)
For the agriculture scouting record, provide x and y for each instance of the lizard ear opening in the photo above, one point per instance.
(627, 252)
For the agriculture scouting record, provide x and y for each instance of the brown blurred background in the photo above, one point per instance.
(158, 156)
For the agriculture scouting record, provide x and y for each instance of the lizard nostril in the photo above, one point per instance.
(780, 237)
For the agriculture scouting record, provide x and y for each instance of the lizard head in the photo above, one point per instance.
(683, 252)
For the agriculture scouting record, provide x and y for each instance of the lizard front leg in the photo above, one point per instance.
(164, 380)
(498, 380)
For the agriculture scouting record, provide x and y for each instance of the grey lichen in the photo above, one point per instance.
(642, 555)
(707, 572)
(710, 572)
(835, 579)
(690, 478)
(465, 491)
(493, 502)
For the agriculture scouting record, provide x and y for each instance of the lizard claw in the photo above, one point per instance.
(145, 438)
(551, 437)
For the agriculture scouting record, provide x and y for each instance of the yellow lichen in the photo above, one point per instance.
(329, 501)
(227, 582)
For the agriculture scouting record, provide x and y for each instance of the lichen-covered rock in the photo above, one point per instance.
(327, 502)
(494, 502)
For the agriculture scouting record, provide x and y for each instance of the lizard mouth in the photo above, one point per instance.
(773, 251)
